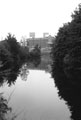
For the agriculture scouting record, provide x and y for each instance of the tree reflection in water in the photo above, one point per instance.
(24, 72)
(70, 91)
(9, 76)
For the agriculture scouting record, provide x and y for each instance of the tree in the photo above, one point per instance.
(68, 43)
(66, 67)
(13, 44)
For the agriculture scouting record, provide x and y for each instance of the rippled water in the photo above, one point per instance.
(36, 98)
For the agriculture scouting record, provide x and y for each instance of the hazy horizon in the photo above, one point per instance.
(19, 17)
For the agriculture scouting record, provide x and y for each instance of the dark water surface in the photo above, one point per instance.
(36, 98)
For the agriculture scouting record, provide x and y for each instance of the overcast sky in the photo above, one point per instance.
(20, 17)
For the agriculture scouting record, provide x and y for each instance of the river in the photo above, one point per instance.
(36, 98)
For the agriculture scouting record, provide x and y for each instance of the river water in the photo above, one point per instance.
(36, 98)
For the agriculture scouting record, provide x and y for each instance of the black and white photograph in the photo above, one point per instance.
(40, 59)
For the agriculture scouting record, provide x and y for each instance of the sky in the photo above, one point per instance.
(19, 17)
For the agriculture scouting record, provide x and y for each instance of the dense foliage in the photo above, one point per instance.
(13, 56)
(11, 53)
(66, 67)
(66, 50)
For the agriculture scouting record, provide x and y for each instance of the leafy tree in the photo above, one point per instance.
(66, 67)
(17, 51)
(12, 42)
(5, 56)
(67, 46)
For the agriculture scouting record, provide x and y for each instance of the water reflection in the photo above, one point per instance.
(70, 91)
(36, 98)
(8, 77)
(24, 72)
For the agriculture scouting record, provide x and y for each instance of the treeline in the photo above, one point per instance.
(13, 54)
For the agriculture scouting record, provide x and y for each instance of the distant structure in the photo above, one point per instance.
(24, 41)
(32, 34)
(44, 43)
(50, 40)
(45, 35)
